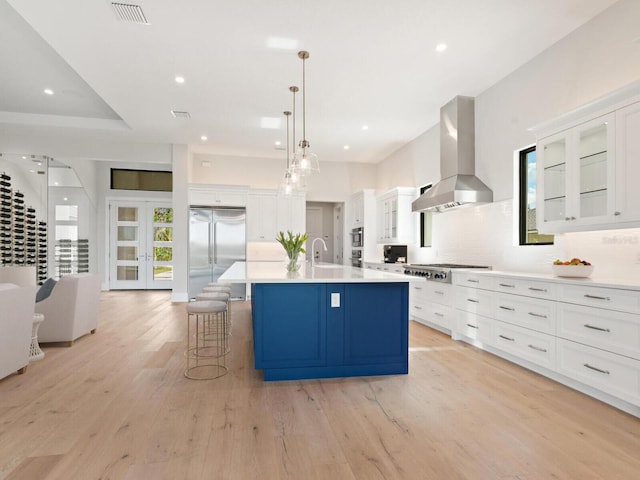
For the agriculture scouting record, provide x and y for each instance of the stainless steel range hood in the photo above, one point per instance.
(459, 185)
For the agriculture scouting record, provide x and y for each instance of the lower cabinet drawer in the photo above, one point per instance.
(613, 374)
(440, 315)
(474, 300)
(475, 326)
(616, 332)
(536, 347)
(532, 313)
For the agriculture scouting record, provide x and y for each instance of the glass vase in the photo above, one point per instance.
(293, 265)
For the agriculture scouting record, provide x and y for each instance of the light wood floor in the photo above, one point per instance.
(117, 406)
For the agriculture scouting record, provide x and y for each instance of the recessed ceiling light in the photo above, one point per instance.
(278, 143)
(203, 138)
(270, 122)
(24, 157)
(56, 183)
(365, 127)
(65, 198)
(179, 79)
(441, 47)
(32, 171)
(346, 147)
(48, 91)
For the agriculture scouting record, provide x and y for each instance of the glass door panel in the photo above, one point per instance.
(593, 171)
(555, 187)
(161, 241)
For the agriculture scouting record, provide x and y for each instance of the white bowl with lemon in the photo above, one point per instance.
(572, 268)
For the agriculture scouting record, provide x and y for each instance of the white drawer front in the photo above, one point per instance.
(535, 347)
(418, 292)
(418, 309)
(470, 279)
(528, 288)
(474, 300)
(441, 293)
(539, 315)
(613, 374)
(610, 298)
(617, 332)
(475, 326)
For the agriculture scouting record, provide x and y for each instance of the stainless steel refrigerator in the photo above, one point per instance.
(217, 238)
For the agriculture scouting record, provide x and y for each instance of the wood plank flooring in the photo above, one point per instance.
(116, 405)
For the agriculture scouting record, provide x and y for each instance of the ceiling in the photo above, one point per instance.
(372, 62)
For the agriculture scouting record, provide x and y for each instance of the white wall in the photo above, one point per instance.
(599, 57)
(336, 181)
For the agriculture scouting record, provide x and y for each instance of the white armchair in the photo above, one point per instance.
(16, 321)
(71, 310)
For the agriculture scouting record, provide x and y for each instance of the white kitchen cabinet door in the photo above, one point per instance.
(396, 221)
(628, 164)
(576, 177)
(292, 213)
(262, 217)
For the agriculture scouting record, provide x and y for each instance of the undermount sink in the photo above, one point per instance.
(326, 265)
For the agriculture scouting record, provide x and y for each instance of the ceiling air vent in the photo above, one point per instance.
(129, 13)
(179, 114)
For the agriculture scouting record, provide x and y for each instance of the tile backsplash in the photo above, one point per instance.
(486, 235)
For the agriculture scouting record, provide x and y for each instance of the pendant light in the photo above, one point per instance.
(294, 174)
(287, 186)
(304, 161)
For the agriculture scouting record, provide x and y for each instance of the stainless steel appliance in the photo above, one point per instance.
(217, 239)
(357, 237)
(356, 258)
(395, 253)
(438, 272)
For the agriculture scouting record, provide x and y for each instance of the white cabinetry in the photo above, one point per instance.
(357, 209)
(262, 217)
(217, 195)
(582, 335)
(576, 177)
(431, 303)
(361, 214)
(587, 166)
(396, 222)
(627, 165)
(291, 213)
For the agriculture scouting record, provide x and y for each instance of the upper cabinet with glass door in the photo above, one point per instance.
(588, 165)
(576, 177)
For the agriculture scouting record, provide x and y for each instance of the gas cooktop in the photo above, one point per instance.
(440, 272)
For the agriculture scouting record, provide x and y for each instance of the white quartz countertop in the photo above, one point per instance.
(594, 280)
(276, 272)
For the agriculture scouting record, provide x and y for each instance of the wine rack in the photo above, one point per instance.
(23, 240)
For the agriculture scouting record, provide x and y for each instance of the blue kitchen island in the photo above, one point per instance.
(327, 320)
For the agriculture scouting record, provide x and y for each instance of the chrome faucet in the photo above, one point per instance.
(313, 249)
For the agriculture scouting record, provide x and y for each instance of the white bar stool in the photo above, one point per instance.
(207, 349)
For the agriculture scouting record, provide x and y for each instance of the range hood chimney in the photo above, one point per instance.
(459, 185)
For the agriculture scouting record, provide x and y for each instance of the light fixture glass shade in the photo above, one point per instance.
(305, 162)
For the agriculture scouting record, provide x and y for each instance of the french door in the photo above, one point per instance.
(140, 245)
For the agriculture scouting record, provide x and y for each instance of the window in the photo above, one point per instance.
(149, 180)
(527, 206)
(425, 222)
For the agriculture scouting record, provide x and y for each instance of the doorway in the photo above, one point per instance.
(140, 245)
(325, 221)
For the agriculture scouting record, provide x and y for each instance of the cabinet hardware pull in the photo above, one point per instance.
(507, 285)
(472, 280)
(593, 327)
(507, 308)
(539, 315)
(417, 307)
(472, 326)
(537, 348)
(597, 369)
(438, 292)
(418, 288)
(438, 314)
(535, 289)
(616, 213)
(507, 338)
(596, 297)
(472, 300)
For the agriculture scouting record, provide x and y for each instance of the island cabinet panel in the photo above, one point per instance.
(289, 325)
(374, 332)
(320, 330)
